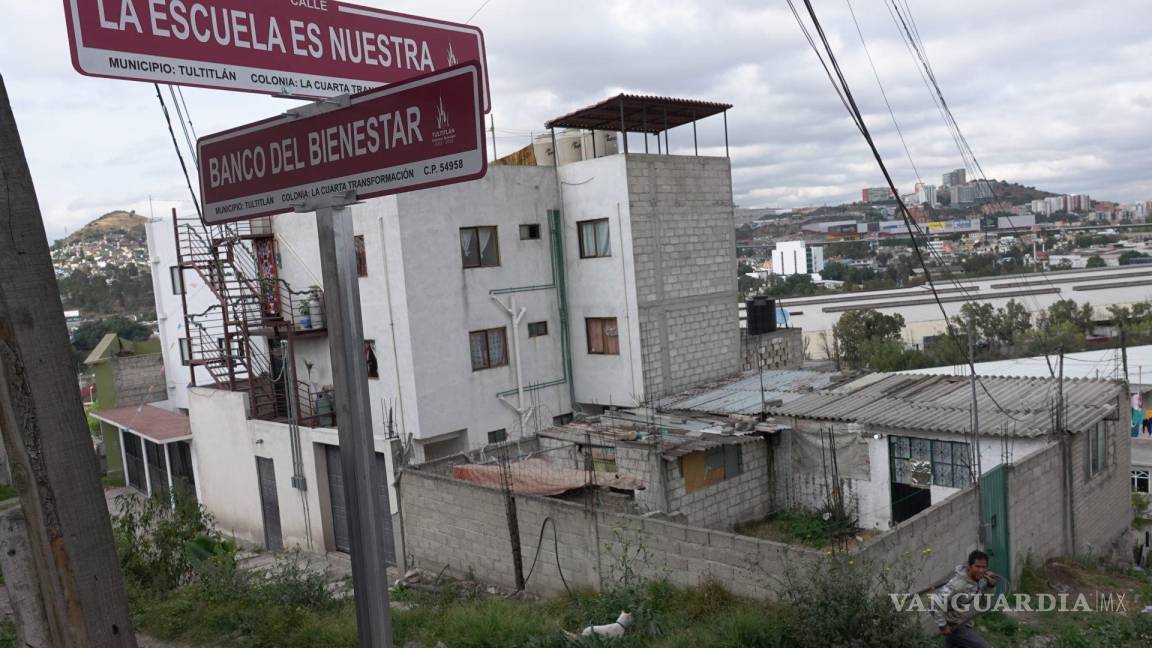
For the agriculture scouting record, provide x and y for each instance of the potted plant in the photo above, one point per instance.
(305, 313)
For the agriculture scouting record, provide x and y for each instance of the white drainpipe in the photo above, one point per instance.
(517, 316)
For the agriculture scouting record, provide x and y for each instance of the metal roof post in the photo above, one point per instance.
(623, 129)
(727, 154)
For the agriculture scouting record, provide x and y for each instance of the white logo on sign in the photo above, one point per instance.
(451, 56)
(444, 133)
(441, 116)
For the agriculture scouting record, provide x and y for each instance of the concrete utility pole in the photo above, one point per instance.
(362, 481)
(76, 571)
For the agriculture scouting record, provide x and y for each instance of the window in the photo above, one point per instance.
(370, 359)
(185, 352)
(498, 436)
(529, 232)
(536, 329)
(1097, 449)
(361, 257)
(177, 280)
(489, 348)
(711, 466)
(594, 239)
(479, 247)
(929, 462)
(602, 338)
(563, 419)
(1141, 481)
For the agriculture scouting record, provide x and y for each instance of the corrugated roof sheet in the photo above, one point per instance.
(1022, 407)
(641, 114)
(153, 423)
(743, 396)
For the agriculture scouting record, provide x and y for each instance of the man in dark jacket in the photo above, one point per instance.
(953, 604)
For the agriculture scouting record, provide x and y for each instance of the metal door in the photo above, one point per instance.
(336, 496)
(269, 503)
(340, 535)
(994, 496)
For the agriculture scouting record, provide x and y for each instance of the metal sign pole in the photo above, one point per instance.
(362, 481)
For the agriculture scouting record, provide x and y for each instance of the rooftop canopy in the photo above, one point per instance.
(639, 114)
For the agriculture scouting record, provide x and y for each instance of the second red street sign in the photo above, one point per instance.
(414, 135)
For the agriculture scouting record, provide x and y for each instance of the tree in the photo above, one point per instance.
(859, 330)
(1130, 256)
(1011, 322)
(1095, 261)
(89, 334)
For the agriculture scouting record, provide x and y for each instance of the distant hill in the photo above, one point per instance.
(128, 223)
(1017, 194)
(102, 268)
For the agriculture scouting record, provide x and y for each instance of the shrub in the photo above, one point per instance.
(152, 537)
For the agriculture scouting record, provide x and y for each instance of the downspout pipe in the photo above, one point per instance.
(559, 279)
(516, 315)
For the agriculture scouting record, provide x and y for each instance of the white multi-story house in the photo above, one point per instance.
(491, 309)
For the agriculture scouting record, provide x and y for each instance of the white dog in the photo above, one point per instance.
(610, 630)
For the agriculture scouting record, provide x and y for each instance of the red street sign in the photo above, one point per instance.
(421, 133)
(306, 48)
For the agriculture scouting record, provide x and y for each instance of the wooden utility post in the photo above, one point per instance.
(42, 420)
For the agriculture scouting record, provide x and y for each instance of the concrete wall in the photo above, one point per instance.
(928, 546)
(736, 500)
(463, 527)
(419, 303)
(684, 252)
(781, 349)
(603, 286)
(225, 447)
(137, 379)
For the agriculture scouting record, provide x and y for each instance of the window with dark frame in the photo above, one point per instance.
(479, 247)
(530, 232)
(185, 352)
(489, 348)
(370, 358)
(602, 336)
(536, 329)
(361, 257)
(1141, 481)
(594, 241)
(177, 280)
(498, 436)
(924, 462)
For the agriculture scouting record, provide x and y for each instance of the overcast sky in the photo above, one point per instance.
(1052, 93)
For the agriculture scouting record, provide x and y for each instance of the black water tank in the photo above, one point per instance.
(761, 315)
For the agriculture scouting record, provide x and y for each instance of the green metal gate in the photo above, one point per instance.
(994, 496)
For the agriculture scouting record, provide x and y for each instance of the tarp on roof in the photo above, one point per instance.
(539, 477)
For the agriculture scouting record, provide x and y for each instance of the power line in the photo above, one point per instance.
(843, 89)
(910, 34)
(883, 94)
(478, 10)
(183, 166)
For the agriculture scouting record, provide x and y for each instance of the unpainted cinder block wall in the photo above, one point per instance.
(139, 379)
(684, 250)
(463, 527)
(781, 349)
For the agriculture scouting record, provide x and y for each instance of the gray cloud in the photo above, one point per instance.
(1049, 93)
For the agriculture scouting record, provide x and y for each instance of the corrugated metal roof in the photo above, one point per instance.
(743, 396)
(1023, 407)
(640, 113)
